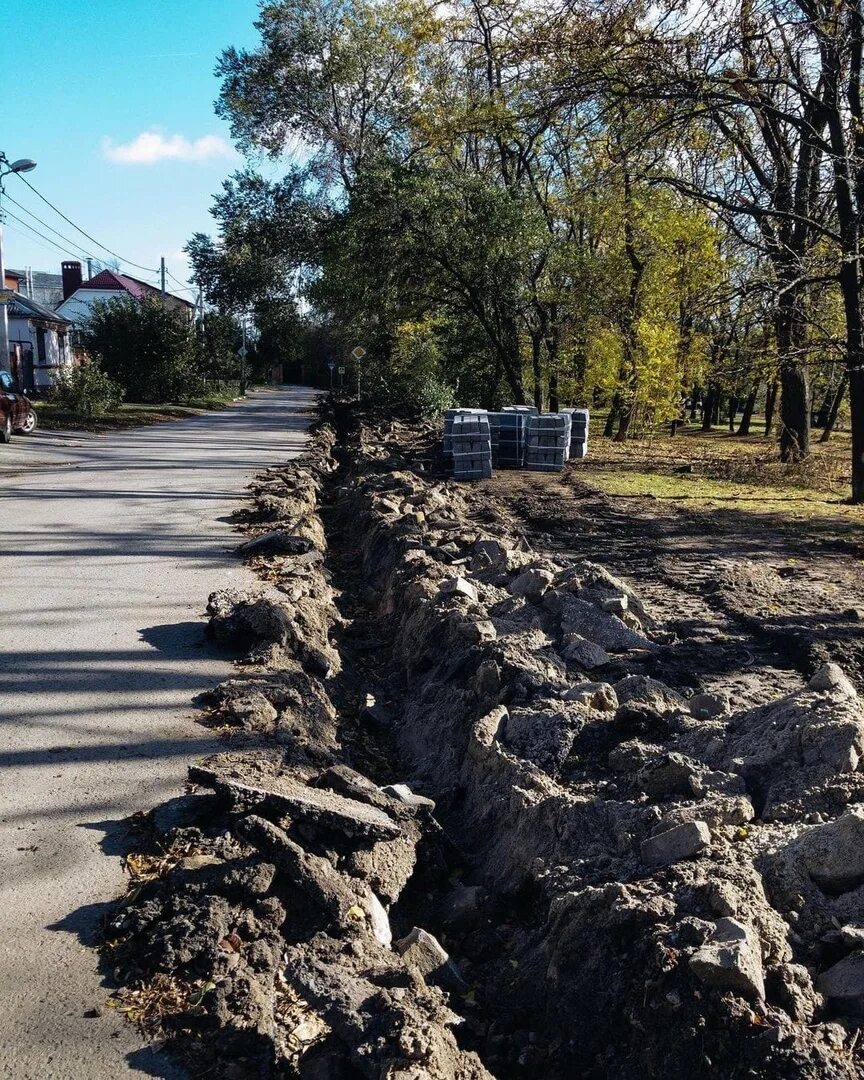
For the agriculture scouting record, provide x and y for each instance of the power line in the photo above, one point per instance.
(54, 249)
(27, 225)
(46, 225)
(93, 240)
(183, 288)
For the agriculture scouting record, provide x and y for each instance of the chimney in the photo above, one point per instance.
(72, 278)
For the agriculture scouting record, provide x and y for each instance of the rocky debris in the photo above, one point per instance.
(596, 695)
(261, 621)
(792, 751)
(554, 789)
(459, 587)
(650, 693)
(586, 654)
(833, 854)
(249, 618)
(844, 982)
(392, 1033)
(709, 706)
(251, 711)
(681, 842)
(249, 783)
(731, 960)
(277, 542)
(832, 679)
(792, 987)
(290, 705)
(532, 585)
(423, 953)
(544, 733)
(405, 795)
(588, 620)
(652, 891)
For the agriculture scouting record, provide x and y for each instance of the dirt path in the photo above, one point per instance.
(111, 547)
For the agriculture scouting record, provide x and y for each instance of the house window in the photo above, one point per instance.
(61, 346)
(40, 347)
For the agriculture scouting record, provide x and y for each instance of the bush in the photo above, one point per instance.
(412, 380)
(86, 390)
(147, 347)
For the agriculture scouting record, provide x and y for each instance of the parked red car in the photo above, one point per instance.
(16, 411)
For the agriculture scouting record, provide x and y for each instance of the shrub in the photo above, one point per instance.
(147, 347)
(86, 390)
(412, 380)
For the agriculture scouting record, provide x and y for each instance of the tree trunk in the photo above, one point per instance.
(794, 413)
(733, 411)
(794, 385)
(630, 319)
(614, 409)
(709, 402)
(536, 369)
(834, 408)
(856, 402)
(770, 405)
(694, 407)
(747, 413)
(553, 391)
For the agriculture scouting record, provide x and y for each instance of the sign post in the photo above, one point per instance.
(358, 352)
(332, 365)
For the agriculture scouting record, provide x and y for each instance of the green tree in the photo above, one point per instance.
(145, 347)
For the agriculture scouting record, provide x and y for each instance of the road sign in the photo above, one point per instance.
(242, 351)
(358, 353)
(341, 370)
(331, 364)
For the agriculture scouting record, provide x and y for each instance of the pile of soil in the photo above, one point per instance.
(507, 792)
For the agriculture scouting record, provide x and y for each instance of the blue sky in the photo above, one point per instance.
(114, 100)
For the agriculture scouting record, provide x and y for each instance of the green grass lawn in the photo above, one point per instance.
(720, 470)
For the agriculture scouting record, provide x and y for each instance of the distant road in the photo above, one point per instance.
(109, 547)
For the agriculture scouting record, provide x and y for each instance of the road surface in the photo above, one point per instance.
(109, 547)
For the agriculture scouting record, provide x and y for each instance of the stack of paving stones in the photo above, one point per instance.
(449, 416)
(514, 438)
(579, 433)
(508, 436)
(471, 446)
(547, 442)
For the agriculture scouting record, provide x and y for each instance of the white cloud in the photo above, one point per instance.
(150, 147)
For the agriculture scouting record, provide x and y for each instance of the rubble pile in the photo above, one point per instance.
(263, 899)
(559, 864)
(689, 871)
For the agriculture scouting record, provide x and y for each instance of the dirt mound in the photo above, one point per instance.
(496, 830)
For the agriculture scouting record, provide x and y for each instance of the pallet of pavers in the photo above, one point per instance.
(448, 418)
(547, 442)
(448, 424)
(471, 443)
(508, 442)
(579, 433)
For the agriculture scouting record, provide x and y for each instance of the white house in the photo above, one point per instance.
(39, 343)
(79, 296)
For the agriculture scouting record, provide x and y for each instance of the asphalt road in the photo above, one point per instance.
(109, 547)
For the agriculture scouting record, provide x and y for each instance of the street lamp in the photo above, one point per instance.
(22, 165)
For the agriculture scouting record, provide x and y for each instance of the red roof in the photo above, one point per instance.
(110, 279)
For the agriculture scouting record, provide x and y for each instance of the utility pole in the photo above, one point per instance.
(242, 355)
(23, 165)
(162, 275)
(4, 300)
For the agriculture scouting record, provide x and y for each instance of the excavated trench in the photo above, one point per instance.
(459, 830)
